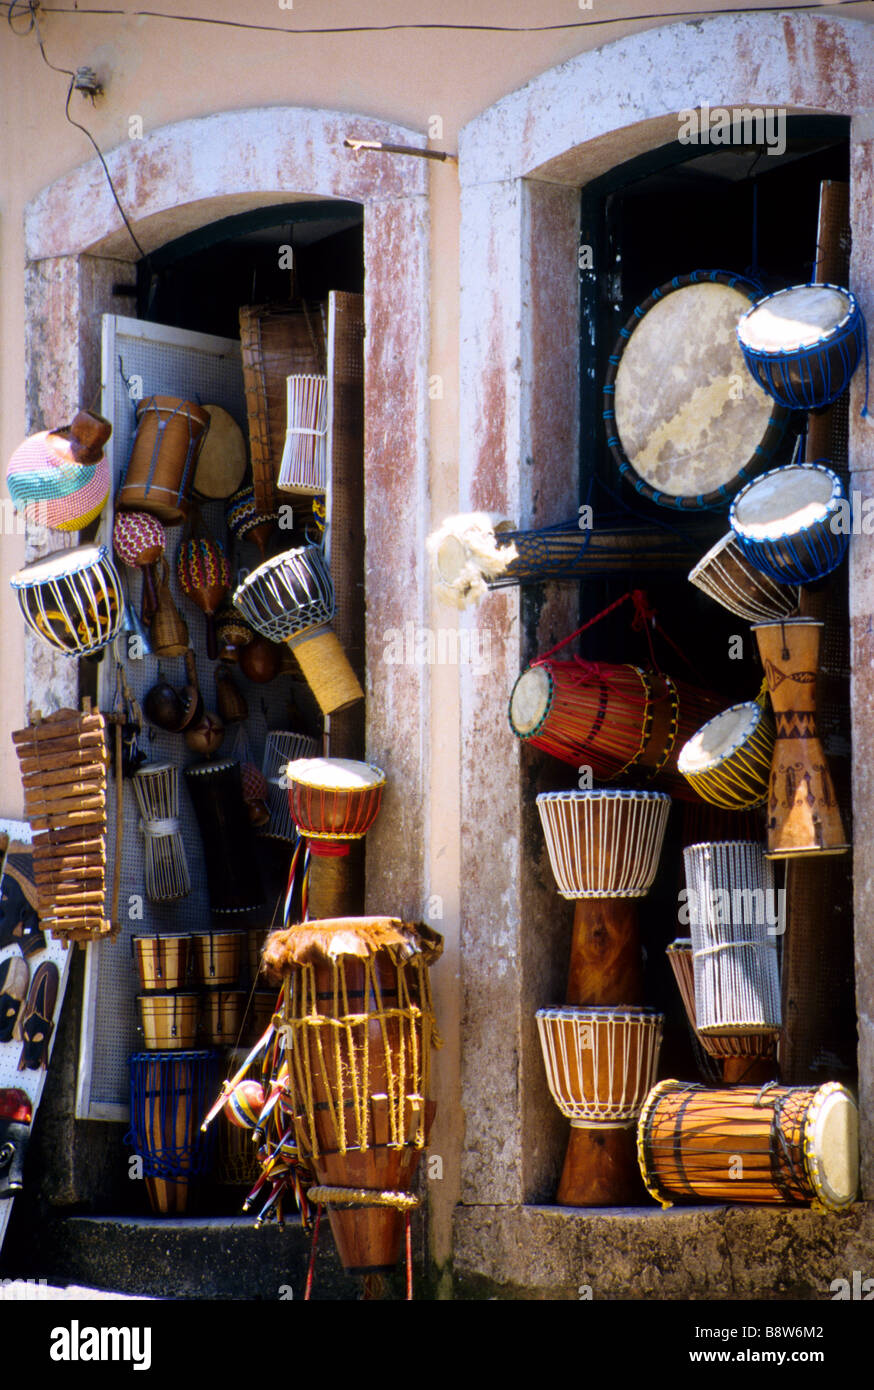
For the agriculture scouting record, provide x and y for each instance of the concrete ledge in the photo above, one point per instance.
(689, 1253)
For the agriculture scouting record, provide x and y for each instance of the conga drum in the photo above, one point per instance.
(600, 1065)
(163, 460)
(232, 875)
(686, 425)
(333, 802)
(728, 760)
(803, 344)
(73, 599)
(787, 523)
(750, 1144)
(359, 1029)
(726, 575)
(803, 814)
(604, 848)
(169, 1096)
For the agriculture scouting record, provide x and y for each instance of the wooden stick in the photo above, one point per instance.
(119, 821)
(57, 776)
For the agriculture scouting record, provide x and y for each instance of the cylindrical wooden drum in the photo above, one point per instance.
(73, 599)
(359, 1029)
(156, 788)
(281, 747)
(162, 961)
(169, 1096)
(600, 1064)
(750, 1144)
(726, 575)
(734, 921)
(230, 856)
(291, 599)
(217, 956)
(728, 761)
(677, 426)
(787, 523)
(803, 344)
(169, 1021)
(161, 468)
(803, 814)
(333, 798)
(222, 1016)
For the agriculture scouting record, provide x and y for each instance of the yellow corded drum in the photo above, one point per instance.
(728, 761)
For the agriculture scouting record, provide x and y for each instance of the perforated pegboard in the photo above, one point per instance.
(160, 361)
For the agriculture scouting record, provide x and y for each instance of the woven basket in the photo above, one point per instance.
(277, 341)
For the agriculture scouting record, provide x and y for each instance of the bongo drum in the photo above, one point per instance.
(169, 1021)
(161, 467)
(745, 1056)
(217, 956)
(750, 1144)
(786, 523)
(291, 599)
(803, 344)
(803, 814)
(169, 1095)
(222, 1016)
(734, 922)
(156, 788)
(281, 747)
(359, 1029)
(678, 428)
(304, 466)
(728, 762)
(73, 599)
(725, 574)
(162, 961)
(600, 1064)
(233, 878)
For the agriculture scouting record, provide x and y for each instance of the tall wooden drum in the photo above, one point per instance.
(169, 1095)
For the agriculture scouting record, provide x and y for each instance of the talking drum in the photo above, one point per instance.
(161, 468)
(600, 1064)
(162, 961)
(169, 1095)
(745, 1057)
(156, 788)
(803, 344)
(789, 523)
(803, 814)
(677, 427)
(232, 877)
(359, 1029)
(728, 762)
(72, 600)
(291, 599)
(304, 466)
(797, 1144)
(726, 575)
(281, 747)
(734, 923)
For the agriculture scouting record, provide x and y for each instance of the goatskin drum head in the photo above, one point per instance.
(794, 318)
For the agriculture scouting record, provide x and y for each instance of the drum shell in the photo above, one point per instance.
(217, 957)
(169, 1095)
(813, 376)
(334, 813)
(167, 493)
(604, 844)
(262, 1006)
(722, 1045)
(74, 625)
(162, 961)
(584, 701)
(230, 856)
(600, 1063)
(169, 1021)
(222, 1016)
(727, 576)
(739, 780)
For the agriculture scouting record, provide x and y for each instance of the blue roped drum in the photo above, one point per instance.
(790, 523)
(803, 344)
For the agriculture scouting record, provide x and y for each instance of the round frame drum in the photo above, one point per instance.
(162, 961)
(785, 523)
(803, 344)
(678, 428)
(728, 762)
(600, 1063)
(795, 1144)
(161, 468)
(604, 844)
(725, 574)
(169, 1021)
(169, 1096)
(334, 798)
(72, 599)
(217, 956)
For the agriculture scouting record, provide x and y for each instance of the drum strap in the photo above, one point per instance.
(643, 621)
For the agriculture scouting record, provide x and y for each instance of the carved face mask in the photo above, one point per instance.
(14, 979)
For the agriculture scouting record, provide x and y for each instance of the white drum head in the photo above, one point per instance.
(334, 774)
(834, 1149)
(530, 699)
(784, 502)
(794, 318)
(59, 564)
(719, 737)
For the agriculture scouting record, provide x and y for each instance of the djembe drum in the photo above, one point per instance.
(728, 761)
(786, 523)
(230, 857)
(803, 344)
(359, 1029)
(291, 599)
(169, 1095)
(333, 802)
(750, 1144)
(678, 429)
(160, 472)
(156, 788)
(803, 814)
(604, 848)
(741, 1057)
(734, 923)
(73, 599)
(600, 1065)
(726, 575)
(281, 747)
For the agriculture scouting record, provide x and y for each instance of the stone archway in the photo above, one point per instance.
(522, 164)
